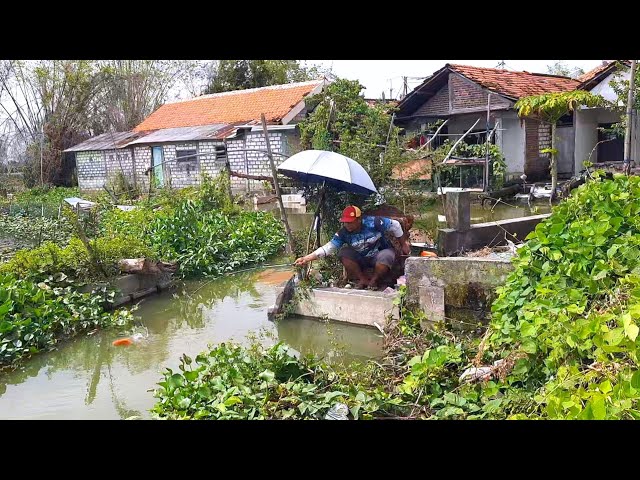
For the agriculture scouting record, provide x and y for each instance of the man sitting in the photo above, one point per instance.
(363, 245)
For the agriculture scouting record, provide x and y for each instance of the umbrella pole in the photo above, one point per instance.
(318, 210)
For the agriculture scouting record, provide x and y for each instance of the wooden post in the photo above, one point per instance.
(485, 186)
(283, 213)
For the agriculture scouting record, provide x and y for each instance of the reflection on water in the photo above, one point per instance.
(333, 341)
(89, 378)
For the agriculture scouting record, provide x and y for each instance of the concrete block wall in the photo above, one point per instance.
(252, 162)
(209, 162)
(118, 162)
(92, 170)
(95, 168)
(142, 156)
(438, 285)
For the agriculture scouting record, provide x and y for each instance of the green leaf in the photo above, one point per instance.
(185, 402)
(267, 376)
(527, 330)
(191, 376)
(529, 346)
(176, 380)
(601, 274)
(615, 336)
(598, 407)
(630, 328)
(635, 380)
(232, 401)
(605, 387)
(331, 395)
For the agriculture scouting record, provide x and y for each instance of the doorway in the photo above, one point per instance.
(158, 168)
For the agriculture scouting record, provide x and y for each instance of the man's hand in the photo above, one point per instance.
(302, 260)
(406, 248)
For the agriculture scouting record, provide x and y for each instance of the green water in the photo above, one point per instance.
(89, 378)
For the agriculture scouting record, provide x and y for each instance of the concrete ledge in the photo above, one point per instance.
(361, 307)
(134, 286)
(438, 285)
(491, 234)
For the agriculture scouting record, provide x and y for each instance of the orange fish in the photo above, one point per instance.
(426, 253)
(122, 341)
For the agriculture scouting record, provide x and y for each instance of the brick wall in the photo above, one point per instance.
(96, 168)
(537, 137)
(465, 96)
(118, 162)
(470, 96)
(436, 105)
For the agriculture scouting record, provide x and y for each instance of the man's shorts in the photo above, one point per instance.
(385, 257)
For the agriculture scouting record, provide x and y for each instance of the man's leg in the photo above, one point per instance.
(384, 262)
(351, 261)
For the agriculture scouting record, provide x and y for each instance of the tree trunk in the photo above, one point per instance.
(627, 132)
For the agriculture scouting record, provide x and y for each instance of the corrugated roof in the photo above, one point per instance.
(106, 141)
(184, 134)
(516, 84)
(230, 107)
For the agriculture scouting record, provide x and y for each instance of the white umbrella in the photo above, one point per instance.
(327, 168)
(330, 168)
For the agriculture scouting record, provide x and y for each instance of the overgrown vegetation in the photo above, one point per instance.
(37, 317)
(562, 342)
(204, 231)
(74, 259)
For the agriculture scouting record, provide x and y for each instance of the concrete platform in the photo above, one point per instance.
(361, 307)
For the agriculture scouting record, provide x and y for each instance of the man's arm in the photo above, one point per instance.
(324, 251)
(395, 228)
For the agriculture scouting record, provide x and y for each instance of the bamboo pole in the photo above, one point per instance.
(283, 213)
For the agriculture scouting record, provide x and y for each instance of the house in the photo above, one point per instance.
(183, 139)
(591, 142)
(463, 94)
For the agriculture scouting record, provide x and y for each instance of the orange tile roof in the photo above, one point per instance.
(591, 74)
(601, 70)
(516, 84)
(239, 106)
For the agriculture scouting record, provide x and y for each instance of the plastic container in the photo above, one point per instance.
(338, 412)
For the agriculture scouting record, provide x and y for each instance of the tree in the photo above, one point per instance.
(342, 121)
(54, 104)
(229, 75)
(549, 108)
(133, 89)
(48, 107)
(621, 87)
(562, 69)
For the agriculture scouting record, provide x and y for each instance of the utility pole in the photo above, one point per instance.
(627, 132)
(41, 146)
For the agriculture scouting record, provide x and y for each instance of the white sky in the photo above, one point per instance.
(380, 75)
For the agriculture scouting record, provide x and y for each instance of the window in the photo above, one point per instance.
(221, 152)
(186, 156)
